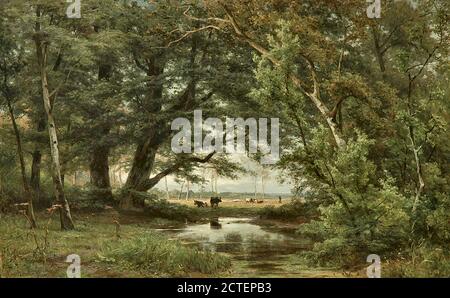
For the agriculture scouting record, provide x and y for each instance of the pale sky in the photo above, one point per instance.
(245, 183)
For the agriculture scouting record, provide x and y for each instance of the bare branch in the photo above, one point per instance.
(189, 33)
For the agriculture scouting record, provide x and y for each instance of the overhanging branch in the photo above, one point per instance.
(175, 167)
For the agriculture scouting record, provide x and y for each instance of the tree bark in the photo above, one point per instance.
(143, 161)
(256, 190)
(99, 159)
(35, 176)
(99, 170)
(167, 188)
(145, 154)
(378, 50)
(181, 190)
(263, 185)
(41, 52)
(187, 190)
(26, 186)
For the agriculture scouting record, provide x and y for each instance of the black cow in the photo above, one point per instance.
(215, 201)
(200, 204)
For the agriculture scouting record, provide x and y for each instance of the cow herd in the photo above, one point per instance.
(254, 201)
(214, 202)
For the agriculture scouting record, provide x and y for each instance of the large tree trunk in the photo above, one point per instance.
(143, 162)
(144, 158)
(99, 170)
(145, 154)
(99, 159)
(41, 51)
(26, 186)
(142, 167)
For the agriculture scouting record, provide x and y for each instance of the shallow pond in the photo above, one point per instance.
(256, 251)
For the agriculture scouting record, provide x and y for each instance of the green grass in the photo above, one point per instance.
(137, 253)
(155, 254)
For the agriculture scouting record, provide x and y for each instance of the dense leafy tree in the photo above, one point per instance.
(363, 103)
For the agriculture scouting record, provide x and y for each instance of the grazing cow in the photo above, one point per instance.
(215, 201)
(250, 200)
(260, 201)
(200, 204)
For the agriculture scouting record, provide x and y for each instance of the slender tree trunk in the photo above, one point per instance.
(256, 179)
(421, 182)
(181, 191)
(112, 177)
(378, 51)
(35, 177)
(202, 187)
(41, 51)
(26, 186)
(263, 182)
(120, 177)
(215, 184)
(167, 188)
(187, 190)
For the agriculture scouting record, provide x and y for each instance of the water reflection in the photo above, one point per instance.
(240, 237)
(215, 224)
(258, 251)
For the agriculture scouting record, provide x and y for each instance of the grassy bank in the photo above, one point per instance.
(182, 210)
(109, 244)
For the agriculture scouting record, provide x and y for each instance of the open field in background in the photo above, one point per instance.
(233, 202)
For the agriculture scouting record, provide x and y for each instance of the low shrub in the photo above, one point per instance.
(420, 262)
(293, 210)
(156, 207)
